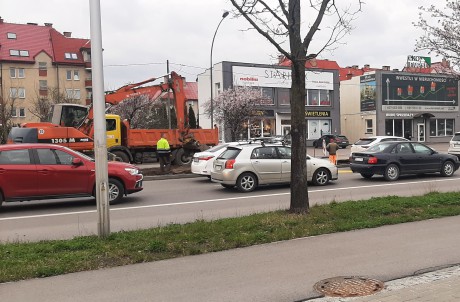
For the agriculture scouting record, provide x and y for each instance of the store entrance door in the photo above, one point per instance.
(285, 129)
(421, 132)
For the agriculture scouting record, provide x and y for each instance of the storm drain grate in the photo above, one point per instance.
(348, 286)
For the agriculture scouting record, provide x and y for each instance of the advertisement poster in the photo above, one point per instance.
(368, 92)
(425, 93)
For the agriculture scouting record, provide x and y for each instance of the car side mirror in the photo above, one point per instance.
(77, 161)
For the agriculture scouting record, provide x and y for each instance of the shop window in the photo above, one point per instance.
(283, 96)
(398, 127)
(268, 94)
(317, 128)
(441, 127)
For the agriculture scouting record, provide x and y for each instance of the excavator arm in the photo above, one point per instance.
(175, 83)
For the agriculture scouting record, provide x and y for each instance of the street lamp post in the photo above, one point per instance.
(225, 14)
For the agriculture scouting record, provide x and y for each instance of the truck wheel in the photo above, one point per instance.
(116, 191)
(182, 157)
(122, 155)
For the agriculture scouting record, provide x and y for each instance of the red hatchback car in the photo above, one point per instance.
(45, 171)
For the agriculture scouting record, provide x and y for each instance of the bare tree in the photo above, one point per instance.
(42, 104)
(234, 107)
(277, 20)
(441, 32)
(6, 109)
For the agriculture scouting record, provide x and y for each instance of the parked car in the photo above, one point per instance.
(340, 140)
(202, 162)
(45, 171)
(366, 142)
(248, 166)
(392, 159)
(454, 145)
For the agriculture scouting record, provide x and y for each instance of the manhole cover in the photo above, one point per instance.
(348, 286)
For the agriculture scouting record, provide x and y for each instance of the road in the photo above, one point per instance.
(185, 200)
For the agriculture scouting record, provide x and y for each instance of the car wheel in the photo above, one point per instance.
(246, 182)
(227, 186)
(116, 191)
(121, 155)
(391, 172)
(367, 175)
(321, 177)
(447, 169)
(183, 158)
(1, 199)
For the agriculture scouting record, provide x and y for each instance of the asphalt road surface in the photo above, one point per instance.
(185, 200)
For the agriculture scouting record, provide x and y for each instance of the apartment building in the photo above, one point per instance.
(39, 63)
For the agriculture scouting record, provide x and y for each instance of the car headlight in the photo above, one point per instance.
(132, 171)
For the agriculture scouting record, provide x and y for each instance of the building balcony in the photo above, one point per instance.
(88, 84)
(88, 65)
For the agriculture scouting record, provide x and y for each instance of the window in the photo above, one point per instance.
(264, 153)
(13, 112)
(72, 75)
(54, 157)
(268, 93)
(369, 127)
(19, 53)
(285, 152)
(441, 127)
(397, 127)
(42, 69)
(17, 72)
(71, 56)
(283, 96)
(22, 112)
(11, 35)
(316, 97)
(73, 94)
(18, 93)
(111, 125)
(43, 84)
(17, 157)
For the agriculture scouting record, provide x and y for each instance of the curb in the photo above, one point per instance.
(171, 176)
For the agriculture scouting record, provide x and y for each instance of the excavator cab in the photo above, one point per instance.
(69, 115)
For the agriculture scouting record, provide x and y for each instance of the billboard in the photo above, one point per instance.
(279, 77)
(367, 92)
(427, 93)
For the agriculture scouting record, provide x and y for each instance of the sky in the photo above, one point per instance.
(140, 36)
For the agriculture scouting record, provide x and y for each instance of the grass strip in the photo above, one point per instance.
(49, 258)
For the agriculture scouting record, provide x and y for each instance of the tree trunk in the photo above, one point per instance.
(299, 188)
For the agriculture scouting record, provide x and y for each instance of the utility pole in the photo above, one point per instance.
(100, 136)
(169, 99)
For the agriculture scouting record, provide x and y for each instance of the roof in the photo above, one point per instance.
(315, 64)
(36, 39)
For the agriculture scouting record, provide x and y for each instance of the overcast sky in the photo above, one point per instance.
(139, 36)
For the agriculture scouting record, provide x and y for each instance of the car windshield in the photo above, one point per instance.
(365, 141)
(343, 137)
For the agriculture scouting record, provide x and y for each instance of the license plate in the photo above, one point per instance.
(195, 160)
(359, 159)
(218, 168)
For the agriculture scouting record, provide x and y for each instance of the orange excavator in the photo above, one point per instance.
(72, 125)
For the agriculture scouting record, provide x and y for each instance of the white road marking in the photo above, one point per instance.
(225, 199)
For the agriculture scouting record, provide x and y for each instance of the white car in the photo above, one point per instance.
(454, 145)
(364, 143)
(202, 162)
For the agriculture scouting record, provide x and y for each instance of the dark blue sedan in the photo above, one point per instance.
(392, 159)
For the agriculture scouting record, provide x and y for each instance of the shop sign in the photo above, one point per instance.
(397, 114)
(279, 78)
(418, 62)
(317, 113)
(265, 113)
(368, 92)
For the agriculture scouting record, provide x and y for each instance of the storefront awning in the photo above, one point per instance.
(424, 115)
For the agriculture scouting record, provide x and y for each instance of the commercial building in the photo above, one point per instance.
(40, 65)
(322, 108)
(417, 104)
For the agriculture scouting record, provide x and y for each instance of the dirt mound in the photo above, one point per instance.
(174, 170)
